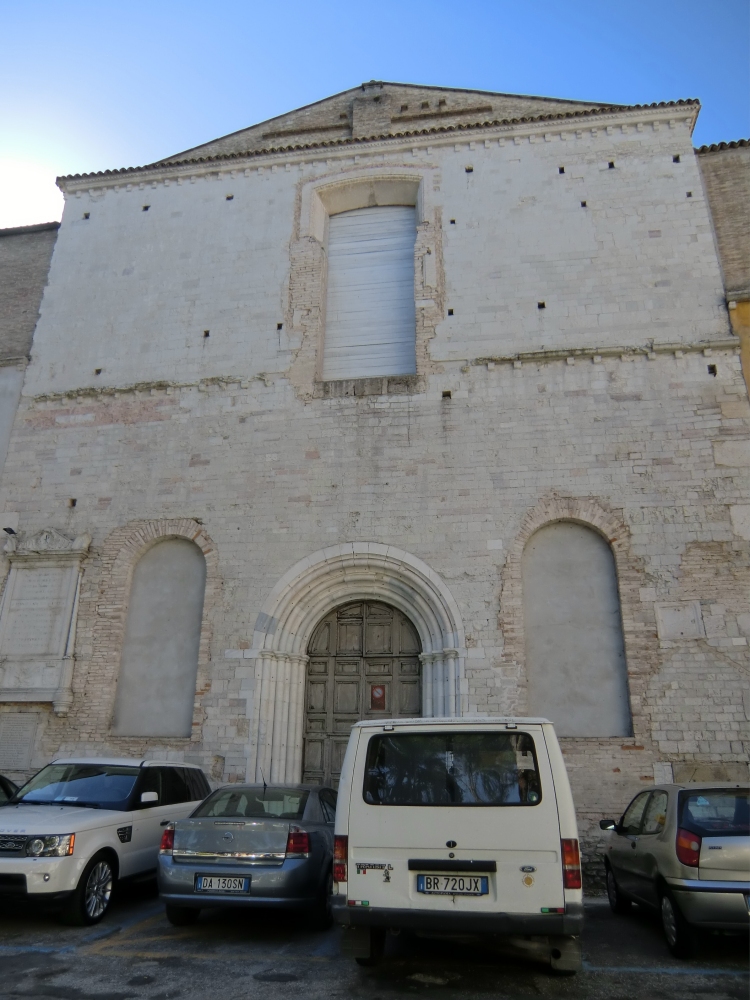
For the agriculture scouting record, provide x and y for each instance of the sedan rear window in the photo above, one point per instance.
(102, 786)
(716, 812)
(452, 769)
(255, 803)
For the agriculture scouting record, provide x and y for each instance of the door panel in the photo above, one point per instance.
(364, 664)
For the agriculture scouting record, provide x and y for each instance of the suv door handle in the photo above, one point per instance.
(633, 843)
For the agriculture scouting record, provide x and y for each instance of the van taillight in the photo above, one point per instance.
(298, 844)
(688, 848)
(167, 841)
(340, 854)
(571, 859)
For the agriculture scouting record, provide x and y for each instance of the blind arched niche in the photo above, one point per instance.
(575, 656)
(156, 685)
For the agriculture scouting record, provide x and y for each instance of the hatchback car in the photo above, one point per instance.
(79, 825)
(684, 850)
(251, 846)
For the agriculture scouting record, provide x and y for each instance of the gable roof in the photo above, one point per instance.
(379, 109)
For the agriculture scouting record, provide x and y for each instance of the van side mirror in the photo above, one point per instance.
(607, 824)
(147, 797)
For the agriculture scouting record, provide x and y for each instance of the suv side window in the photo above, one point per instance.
(197, 784)
(149, 781)
(631, 821)
(655, 815)
(175, 786)
(328, 805)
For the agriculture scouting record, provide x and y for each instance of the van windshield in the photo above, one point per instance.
(452, 769)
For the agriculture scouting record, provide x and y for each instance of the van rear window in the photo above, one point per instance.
(452, 769)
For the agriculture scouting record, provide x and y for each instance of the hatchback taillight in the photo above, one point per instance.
(297, 843)
(340, 855)
(688, 848)
(571, 859)
(167, 840)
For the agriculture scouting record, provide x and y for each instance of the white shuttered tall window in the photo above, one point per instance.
(370, 319)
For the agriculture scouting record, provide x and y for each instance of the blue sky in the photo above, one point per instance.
(88, 86)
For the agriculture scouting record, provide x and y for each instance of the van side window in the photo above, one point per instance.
(633, 817)
(452, 769)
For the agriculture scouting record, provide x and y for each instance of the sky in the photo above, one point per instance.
(88, 86)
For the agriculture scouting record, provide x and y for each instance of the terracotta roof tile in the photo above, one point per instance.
(435, 130)
(716, 147)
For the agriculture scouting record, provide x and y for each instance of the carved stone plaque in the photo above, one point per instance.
(37, 617)
(679, 620)
(17, 732)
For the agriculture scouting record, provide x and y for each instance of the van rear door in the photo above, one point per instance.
(477, 801)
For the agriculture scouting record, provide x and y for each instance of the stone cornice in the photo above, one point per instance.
(545, 128)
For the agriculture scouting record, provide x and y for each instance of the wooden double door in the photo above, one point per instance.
(364, 664)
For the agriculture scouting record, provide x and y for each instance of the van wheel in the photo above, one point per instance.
(377, 948)
(677, 931)
(618, 903)
(91, 897)
(181, 916)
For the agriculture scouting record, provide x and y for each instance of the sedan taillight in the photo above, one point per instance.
(167, 840)
(688, 848)
(571, 859)
(340, 857)
(297, 843)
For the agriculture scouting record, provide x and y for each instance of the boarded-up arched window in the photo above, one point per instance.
(156, 686)
(575, 657)
(370, 312)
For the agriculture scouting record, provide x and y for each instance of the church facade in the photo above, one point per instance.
(412, 402)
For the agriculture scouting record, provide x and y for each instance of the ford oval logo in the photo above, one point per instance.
(228, 836)
(528, 869)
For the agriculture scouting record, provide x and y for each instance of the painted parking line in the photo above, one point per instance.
(679, 970)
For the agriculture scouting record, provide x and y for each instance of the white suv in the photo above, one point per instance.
(80, 824)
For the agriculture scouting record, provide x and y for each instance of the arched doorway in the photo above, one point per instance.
(363, 664)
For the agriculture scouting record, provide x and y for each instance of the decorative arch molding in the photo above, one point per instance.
(302, 597)
(613, 528)
(119, 554)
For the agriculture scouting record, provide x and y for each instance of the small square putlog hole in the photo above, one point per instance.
(712, 370)
(72, 502)
(541, 305)
(206, 333)
(446, 394)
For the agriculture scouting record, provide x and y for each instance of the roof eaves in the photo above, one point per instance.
(436, 130)
(717, 147)
(38, 227)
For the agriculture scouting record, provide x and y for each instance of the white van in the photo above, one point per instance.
(457, 826)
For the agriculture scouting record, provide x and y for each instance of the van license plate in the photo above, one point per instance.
(221, 883)
(453, 885)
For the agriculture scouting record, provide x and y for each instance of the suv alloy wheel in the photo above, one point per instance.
(91, 897)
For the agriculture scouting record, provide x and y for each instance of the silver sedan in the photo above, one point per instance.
(684, 850)
(251, 846)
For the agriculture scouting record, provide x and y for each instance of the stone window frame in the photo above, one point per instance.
(641, 649)
(119, 555)
(345, 190)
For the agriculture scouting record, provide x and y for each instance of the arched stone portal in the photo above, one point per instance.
(363, 664)
(315, 586)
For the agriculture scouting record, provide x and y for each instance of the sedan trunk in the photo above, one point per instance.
(221, 841)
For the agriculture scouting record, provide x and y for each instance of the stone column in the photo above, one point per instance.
(278, 718)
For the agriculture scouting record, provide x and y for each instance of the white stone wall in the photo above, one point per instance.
(615, 421)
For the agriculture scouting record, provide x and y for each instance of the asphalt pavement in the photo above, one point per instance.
(135, 953)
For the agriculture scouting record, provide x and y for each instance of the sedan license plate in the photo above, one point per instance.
(453, 885)
(221, 883)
